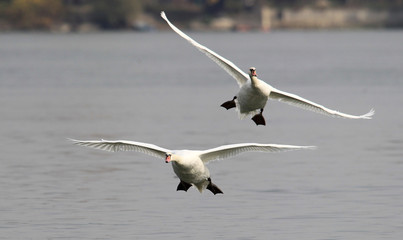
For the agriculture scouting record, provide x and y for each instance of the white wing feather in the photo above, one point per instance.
(298, 101)
(240, 76)
(227, 151)
(123, 145)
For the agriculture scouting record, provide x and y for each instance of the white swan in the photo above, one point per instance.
(254, 93)
(189, 165)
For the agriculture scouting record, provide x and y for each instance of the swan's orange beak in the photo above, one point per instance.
(253, 72)
(168, 158)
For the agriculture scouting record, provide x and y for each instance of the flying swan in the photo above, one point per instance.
(189, 165)
(254, 93)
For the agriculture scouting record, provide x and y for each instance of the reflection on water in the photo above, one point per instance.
(156, 88)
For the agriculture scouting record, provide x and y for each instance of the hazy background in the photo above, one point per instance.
(218, 15)
(155, 87)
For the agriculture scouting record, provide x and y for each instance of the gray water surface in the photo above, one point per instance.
(157, 88)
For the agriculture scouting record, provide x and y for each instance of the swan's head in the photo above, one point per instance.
(252, 72)
(168, 157)
(171, 157)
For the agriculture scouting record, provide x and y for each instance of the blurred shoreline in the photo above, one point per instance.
(66, 16)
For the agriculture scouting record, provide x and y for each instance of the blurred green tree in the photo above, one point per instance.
(115, 14)
(39, 14)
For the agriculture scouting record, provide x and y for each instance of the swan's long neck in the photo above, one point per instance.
(254, 80)
(176, 158)
(260, 86)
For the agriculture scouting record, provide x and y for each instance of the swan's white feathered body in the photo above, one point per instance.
(254, 93)
(189, 165)
(252, 97)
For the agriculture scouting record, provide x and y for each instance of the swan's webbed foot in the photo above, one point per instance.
(229, 104)
(259, 119)
(183, 186)
(213, 188)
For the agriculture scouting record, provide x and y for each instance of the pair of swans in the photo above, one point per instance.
(190, 165)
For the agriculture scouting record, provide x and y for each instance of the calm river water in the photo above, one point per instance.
(157, 88)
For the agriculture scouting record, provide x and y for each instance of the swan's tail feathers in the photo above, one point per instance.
(213, 188)
(183, 186)
(368, 115)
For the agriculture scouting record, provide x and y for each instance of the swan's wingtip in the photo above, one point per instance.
(163, 15)
(74, 141)
(369, 115)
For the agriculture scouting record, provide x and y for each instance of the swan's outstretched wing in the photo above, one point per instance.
(227, 151)
(240, 76)
(298, 101)
(122, 145)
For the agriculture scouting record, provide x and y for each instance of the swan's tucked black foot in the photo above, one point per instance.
(229, 104)
(183, 186)
(213, 188)
(259, 119)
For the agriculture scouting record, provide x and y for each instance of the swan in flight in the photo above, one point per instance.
(189, 165)
(254, 93)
